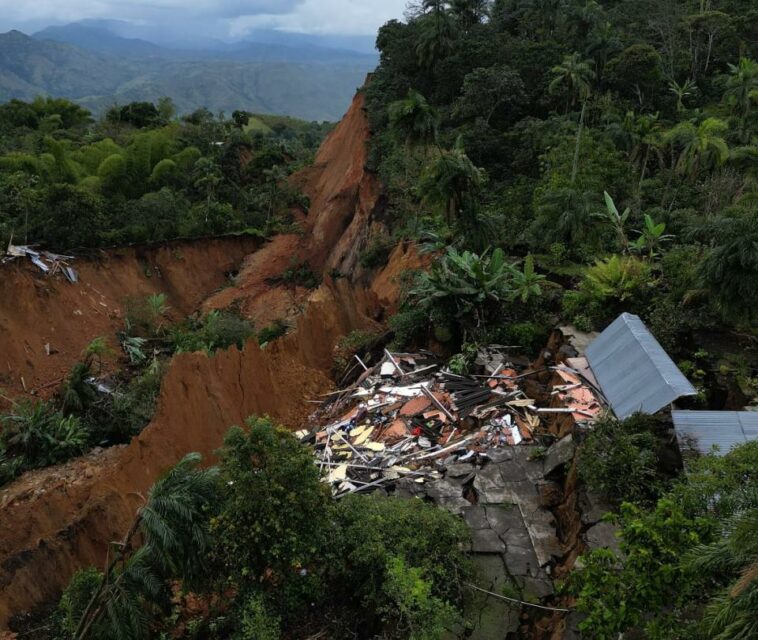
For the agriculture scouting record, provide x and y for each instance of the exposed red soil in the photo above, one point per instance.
(36, 310)
(388, 283)
(343, 197)
(56, 521)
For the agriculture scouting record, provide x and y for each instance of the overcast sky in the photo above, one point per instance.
(216, 18)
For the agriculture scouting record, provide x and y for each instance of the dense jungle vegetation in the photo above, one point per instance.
(614, 142)
(611, 148)
(140, 174)
(261, 538)
(568, 160)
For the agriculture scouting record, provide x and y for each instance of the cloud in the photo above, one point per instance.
(232, 17)
(358, 17)
(115, 9)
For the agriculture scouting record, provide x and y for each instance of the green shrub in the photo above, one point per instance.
(74, 601)
(272, 332)
(77, 394)
(391, 571)
(530, 336)
(686, 561)
(36, 435)
(256, 623)
(620, 459)
(407, 325)
(130, 409)
(615, 284)
(274, 518)
(377, 253)
(411, 605)
(217, 330)
(298, 275)
(618, 278)
(462, 362)
(354, 343)
(146, 317)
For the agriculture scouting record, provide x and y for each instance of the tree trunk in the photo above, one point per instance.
(575, 165)
(90, 615)
(642, 170)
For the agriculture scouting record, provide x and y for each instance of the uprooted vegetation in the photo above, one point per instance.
(86, 412)
(93, 408)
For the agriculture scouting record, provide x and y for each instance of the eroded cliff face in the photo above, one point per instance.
(36, 311)
(55, 521)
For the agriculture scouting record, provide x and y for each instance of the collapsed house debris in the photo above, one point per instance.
(478, 446)
(407, 418)
(495, 448)
(47, 262)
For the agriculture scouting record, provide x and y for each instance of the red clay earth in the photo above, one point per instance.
(55, 521)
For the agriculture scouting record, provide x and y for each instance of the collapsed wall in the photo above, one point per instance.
(58, 520)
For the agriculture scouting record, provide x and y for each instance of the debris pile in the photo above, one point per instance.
(409, 418)
(575, 394)
(47, 262)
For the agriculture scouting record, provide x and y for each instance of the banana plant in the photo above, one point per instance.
(617, 220)
(652, 236)
(465, 282)
(526, 284)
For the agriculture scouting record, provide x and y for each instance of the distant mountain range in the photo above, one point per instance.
(93, 63)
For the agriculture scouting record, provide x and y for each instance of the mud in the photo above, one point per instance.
(36, 310)
(56, 521)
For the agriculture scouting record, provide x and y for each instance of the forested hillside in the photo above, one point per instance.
(611, 149)
(141, 175)
(544, 165)
(311, 83)
(615, 142)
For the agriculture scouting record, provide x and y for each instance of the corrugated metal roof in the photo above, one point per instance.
(705, 429)
(632, 369)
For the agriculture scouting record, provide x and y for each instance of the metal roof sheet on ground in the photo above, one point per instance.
(706, 429)
(632, 369)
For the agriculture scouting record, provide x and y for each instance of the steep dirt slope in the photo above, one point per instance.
(58, 520)
(36, 310)
(343, 198)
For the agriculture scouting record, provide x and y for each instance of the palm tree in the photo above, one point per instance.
(742, 92)
(702, 146)
(207, 178)
(603, 41)
(730, 271)
(157, 309)
(544, 13)
(733, 612)
(742, 86)
(645, 133)
(437, 34)
(685, 90)
(567, 214)
(173, 528)
(414, 119)
(574, 76)
(469, 12)
(453, 183)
